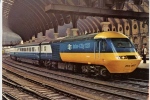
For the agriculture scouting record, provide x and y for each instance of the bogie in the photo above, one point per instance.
(47, 64)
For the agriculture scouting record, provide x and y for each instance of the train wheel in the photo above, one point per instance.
(104, 73)
(96, 70)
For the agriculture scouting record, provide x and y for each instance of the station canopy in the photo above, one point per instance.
(28, 18)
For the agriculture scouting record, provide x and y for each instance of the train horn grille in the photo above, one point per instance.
(131, 57)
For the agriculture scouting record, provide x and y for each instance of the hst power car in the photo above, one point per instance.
(103, 54)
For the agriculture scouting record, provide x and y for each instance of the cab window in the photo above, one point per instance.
(103, 45)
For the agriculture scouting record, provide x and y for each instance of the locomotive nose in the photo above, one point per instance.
(123, 66)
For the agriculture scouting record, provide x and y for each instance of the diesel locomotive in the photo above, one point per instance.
(100, 54)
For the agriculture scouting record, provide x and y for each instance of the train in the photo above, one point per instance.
(100, 54)
(5, 50)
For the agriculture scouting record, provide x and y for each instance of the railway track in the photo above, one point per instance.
(31, 89)
(13, 91)
(129, 81)
(95, 88)
(143, 84)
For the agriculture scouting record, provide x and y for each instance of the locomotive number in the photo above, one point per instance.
(130, 65)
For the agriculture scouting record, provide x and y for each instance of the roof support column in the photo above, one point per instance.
(36, 40)
(74, 20)
(68, 31)
(21, 42)
(74, 24)
(43, 32)
(74, 31)
(56, 35)
(105, 26)
(41, 37)
(33, 38)
(56, 30)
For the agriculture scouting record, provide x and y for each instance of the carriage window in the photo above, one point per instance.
(32, 48)
(44, 48)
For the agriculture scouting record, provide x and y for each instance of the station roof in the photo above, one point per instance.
(30, 17)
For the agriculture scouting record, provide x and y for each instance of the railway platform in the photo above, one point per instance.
(144, 65)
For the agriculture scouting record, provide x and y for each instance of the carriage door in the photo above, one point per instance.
(97, 48)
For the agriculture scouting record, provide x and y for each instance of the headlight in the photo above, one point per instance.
(117, 57)
(138, 57)
(121, 57)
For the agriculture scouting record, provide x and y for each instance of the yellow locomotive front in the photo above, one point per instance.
(101, 54)
(116, 53)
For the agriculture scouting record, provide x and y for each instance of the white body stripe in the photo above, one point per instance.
(45, 48)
